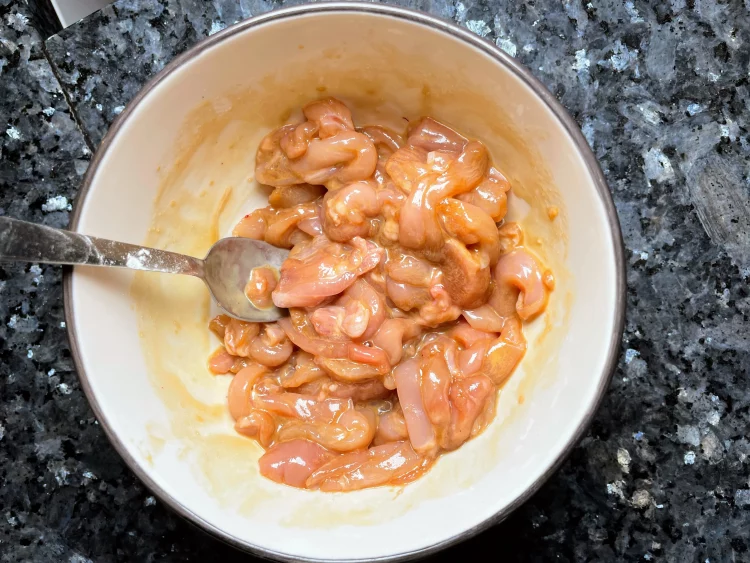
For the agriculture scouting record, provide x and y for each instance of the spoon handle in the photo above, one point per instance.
(21, 241)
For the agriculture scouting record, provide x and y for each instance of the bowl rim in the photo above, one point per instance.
(522, 73)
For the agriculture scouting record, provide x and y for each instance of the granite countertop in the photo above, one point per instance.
(661, 92)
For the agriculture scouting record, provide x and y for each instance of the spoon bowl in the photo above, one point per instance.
(227, 268)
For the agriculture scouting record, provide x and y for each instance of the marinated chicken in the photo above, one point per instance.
(407, 292)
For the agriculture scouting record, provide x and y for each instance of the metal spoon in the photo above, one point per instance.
(225, 269)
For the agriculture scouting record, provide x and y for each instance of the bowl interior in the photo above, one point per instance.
(177, 172)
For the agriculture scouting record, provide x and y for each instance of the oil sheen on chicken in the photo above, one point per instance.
(407, 292)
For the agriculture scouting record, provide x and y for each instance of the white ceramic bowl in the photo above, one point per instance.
(176, 170)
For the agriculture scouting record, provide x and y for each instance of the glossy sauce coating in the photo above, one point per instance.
(407, 294)
(259, 287)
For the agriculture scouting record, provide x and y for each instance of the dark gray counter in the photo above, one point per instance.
(661, 92)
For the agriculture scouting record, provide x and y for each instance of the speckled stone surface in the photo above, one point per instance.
(661, 91)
